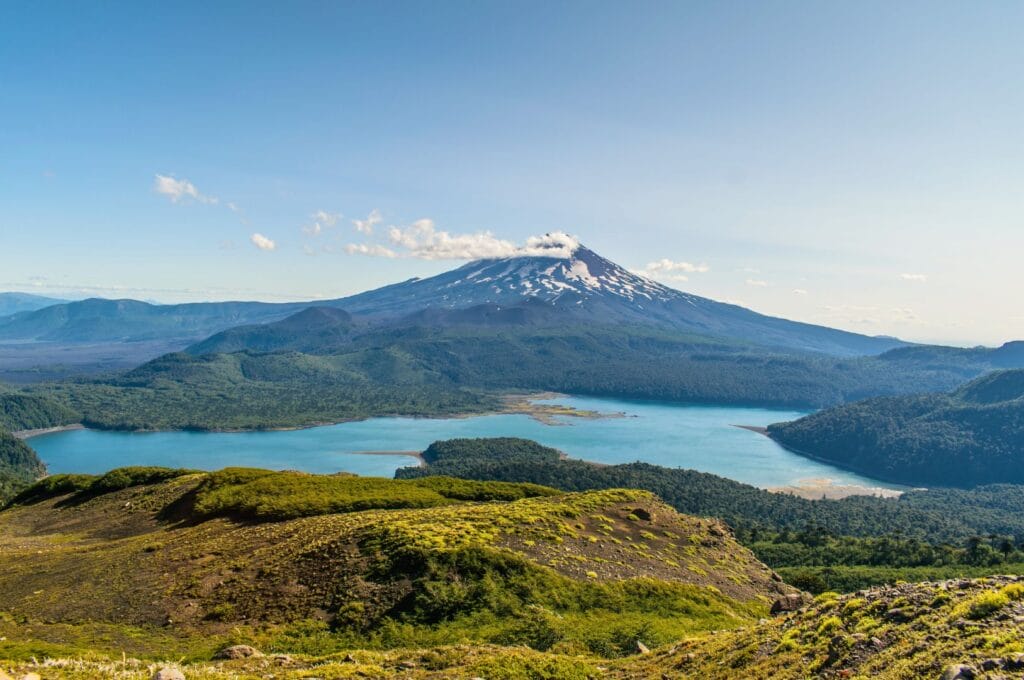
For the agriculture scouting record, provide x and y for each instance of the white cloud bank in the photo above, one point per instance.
(423, 240)
(918, 278)
(671, 270)
(262, 242)
(181, 189)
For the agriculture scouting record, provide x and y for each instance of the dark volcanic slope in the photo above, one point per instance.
(309, 330)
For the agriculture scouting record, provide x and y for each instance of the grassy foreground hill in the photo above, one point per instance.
(153, 561)
(248, 574)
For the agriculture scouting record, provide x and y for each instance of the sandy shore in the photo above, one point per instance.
(549, 414)
(418, 455)
(25, 434)
(816, 489)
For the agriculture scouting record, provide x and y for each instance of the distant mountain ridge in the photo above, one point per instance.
(99, 320)
(12, 303)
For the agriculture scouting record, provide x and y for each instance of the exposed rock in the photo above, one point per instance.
(31, 676)
(960, 671)
(900, 615)
(642, 513)
(238, 652)
(168, 674)
(788, 603)
(642, 648)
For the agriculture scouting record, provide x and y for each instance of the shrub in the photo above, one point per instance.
(123, 478)
(271, 496)
(1014, 591)
(986, 604)
(53, 486)
(829, 625)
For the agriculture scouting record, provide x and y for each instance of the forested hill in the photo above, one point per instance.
(936, 516)
(443, 370)
(972, 436)
(19, 465)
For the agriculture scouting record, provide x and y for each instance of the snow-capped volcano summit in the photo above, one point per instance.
(557, 280)
(571, 275)
(583, 274)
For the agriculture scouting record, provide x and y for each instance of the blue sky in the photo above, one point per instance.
(857, 164)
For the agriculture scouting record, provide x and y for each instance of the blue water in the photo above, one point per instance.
(673, 435)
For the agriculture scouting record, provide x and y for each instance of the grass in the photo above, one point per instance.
(263, 495)
(837, 636)
(510, 582)
(328, 563)
(852, 578)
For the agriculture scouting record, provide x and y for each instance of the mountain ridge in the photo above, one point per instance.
(583, 287)
(590, 287)
(13, 302)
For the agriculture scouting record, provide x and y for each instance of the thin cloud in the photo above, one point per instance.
(757, 283)
(366, 226)
(667, 269)
(322, 221)
(799, 291)
(181, 189)
(918, 278)
(372, 250)
(262, 242)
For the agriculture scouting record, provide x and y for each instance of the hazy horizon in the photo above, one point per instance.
(850, 165)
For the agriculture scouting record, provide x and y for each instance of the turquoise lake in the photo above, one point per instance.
(674, 435)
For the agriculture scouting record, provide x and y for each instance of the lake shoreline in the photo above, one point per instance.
(595, 431)
(816, 489)
(28, 434)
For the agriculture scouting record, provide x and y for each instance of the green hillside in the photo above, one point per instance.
(19, 465)
(321, 563)
(439, 371)
(973, 435)
(140, 570)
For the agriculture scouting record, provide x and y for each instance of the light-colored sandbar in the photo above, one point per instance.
(25, 434)
(418, 455)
